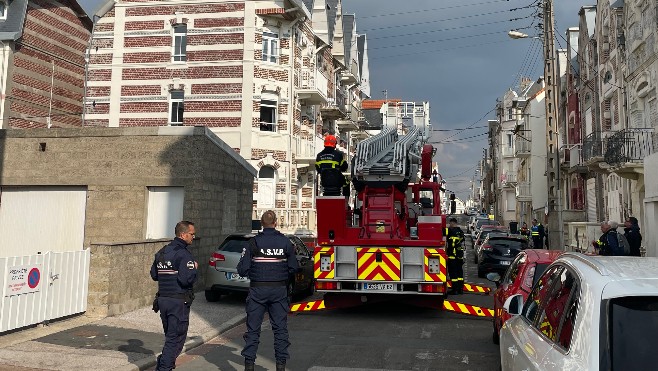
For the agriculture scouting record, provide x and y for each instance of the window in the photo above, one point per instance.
(513, 271)
(510, 142)
(630, 329)
(179, 54)
(268, 115)
(554, 306)
(176, 107)
(510, 114)
(270, 47)
(539, 292)
(3, 9)
(165, 209)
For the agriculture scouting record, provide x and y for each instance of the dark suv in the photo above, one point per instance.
(496, 253)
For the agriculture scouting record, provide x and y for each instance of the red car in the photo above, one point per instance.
(519, 278)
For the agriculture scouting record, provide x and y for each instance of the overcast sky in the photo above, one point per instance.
(457, 56)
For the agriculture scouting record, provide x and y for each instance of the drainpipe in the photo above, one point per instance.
(292, 104)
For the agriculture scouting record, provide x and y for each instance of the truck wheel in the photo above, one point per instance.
(212, 295)
(310, 290)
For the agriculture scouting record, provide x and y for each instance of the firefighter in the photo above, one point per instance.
(455, 251)
(330, 164)
(537, 234)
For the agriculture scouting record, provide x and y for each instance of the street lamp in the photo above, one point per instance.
(520, 35)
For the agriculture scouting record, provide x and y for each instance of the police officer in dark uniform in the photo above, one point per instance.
(330, 164)
(175, 270)
(455, 252)
(269, 263)
(537, 233)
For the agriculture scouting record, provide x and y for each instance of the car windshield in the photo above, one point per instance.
(234, 244)
(632, 328)
(507, 243)
(482, 222)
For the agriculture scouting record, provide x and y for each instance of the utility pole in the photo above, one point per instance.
(554, 202)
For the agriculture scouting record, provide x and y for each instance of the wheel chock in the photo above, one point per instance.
(469, 287)
(308, 306)
(467, 309)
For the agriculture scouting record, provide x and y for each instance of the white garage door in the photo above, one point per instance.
(34, 220)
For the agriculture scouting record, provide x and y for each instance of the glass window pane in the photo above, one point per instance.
(177, 94)
(632, 328)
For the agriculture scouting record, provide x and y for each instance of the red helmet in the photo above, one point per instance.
(330, 141)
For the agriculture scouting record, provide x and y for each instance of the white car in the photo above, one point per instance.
(585, 313)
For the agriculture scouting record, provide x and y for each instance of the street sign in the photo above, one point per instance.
(23, 279)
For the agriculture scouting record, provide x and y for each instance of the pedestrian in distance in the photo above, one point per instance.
(455, 252)
(633, 235)
(270, 263)
(524, 230)
(537, 233)
(175, 270)
(330, 163)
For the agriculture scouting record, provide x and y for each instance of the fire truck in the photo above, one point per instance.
(390, 239)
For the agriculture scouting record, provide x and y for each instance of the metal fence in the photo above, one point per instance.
(40, 288)
(593, 146)
(629, 145)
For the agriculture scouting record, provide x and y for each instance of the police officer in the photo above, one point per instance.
(537, 234)
(455, 251)
(330, 164)
(269, 263)
(175, 270)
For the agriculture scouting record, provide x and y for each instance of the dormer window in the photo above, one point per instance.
(3, 9)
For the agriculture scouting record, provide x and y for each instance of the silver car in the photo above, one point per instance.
(222, 276)
(585, 313)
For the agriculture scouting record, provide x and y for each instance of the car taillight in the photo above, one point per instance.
(487, 248)
(321, 285)
(216, 257)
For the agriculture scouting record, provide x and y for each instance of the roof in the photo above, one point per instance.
(377, 103)
(12, 27)
(360, 44)
(332, 11)
(542, 256)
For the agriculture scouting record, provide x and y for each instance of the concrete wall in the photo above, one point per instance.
(118, 165)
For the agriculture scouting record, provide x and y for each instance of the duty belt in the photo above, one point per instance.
(267, 283)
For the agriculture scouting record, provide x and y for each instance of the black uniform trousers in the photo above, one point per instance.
(274, 301)
(456, 273)
(175, 316)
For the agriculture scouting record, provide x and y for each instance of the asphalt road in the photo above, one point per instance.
(391, 336)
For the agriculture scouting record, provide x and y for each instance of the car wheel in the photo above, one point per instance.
(212, 295)
(310, 290)
(495, 336)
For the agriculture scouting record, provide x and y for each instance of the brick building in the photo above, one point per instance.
(265, 76)
(42, 63)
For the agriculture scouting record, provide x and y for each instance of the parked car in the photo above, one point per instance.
(585, 313)
(484, 232)
(497, 252)
(472, 226)
(480, 222)
(222, 276)
(519, 278)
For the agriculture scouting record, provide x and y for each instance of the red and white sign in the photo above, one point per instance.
(23, 279)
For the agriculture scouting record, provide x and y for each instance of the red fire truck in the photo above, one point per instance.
(390, 240)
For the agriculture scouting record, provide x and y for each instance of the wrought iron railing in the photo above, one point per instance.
(593, 146)
(629, 145)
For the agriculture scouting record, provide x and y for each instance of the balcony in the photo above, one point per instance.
(508, 179)
(523, 192)
(521, 146)
(593, 150)
(350, 76)
(508, 151)
(313, 87)
(293, 221)
(335, 107)
(626, 150)
(630, 145)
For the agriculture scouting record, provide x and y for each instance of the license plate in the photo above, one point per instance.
(235, 277)
(505, 262)
(379, 286)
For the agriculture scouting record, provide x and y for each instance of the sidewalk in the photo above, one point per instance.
(131, 341)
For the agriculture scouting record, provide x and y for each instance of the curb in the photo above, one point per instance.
(149, 361)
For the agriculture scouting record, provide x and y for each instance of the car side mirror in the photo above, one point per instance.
(514, 304)
(494, 277)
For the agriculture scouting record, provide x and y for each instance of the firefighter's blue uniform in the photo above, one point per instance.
(269, 264)
(175, 270)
